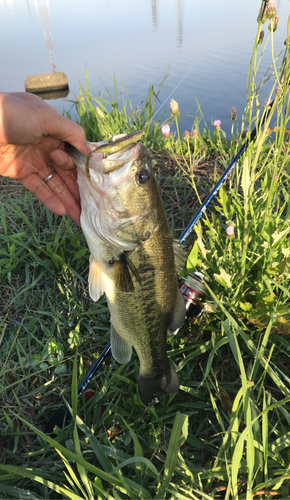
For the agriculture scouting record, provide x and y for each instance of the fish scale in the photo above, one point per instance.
(132, 261)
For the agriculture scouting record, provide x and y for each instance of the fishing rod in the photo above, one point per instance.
(225, 175)
(61, 413)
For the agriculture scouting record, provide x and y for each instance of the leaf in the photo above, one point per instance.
(22, 472)
(277, 236)
(224, 279)
(81, 253)
(219, 344)
(178, 437)
(96, 446)
(138, 460)
(138, 451)
(192, 258)
(223, 199)
(226, 400)
(245, 177)
(202, 248)
(285, 252)
(282, 325)
(61, 368)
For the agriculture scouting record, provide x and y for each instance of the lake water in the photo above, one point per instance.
(207, 44)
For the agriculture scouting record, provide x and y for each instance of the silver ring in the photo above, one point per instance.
(50, 176)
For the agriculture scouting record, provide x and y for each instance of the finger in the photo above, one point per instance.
(66, 190)
(34, 184)
(70, 179)
(62, 159)
(64, 129)
(54, 194)
(28, 97)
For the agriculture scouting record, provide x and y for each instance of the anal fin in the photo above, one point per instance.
(121, 350)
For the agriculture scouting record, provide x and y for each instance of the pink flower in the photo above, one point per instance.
(230, 232)
(261, 36)
(274, 24)
(194, 133)
(268, 102)
(166, 131)
(186, 134)
(233, 114)
(271, 9)
(244, 133)
(217, 124)
(262, 16)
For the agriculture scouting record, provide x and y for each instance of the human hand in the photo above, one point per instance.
(31, 134)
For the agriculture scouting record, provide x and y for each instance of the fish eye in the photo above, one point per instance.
(142, 176)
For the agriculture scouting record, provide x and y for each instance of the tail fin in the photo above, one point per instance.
(154, 386)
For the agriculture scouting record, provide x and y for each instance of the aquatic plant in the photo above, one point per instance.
(226, 433)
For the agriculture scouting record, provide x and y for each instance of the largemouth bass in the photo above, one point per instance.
(133, 260)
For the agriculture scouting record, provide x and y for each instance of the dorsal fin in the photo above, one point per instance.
(180, 255)
(179, 313)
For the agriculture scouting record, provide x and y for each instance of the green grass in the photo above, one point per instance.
(226, 433)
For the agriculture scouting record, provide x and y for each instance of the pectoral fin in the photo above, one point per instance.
(132, 267)
(121, 350)
(122, 276)
(96, 281)
(179, 313)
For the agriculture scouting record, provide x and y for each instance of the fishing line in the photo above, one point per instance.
(209, 45)
(37, 171)
(59, 416)
(176, 87)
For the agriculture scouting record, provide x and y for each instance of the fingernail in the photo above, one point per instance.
(57, 157)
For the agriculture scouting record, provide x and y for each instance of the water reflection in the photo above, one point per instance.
(208, 51)
(28, 7)
(180, 17)
(10, 3)
(53, 94)
(43, 14)
(154, 13)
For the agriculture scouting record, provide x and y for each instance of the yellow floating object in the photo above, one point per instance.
(46, 82)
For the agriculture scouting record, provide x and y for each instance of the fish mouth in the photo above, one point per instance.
(116, 161)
